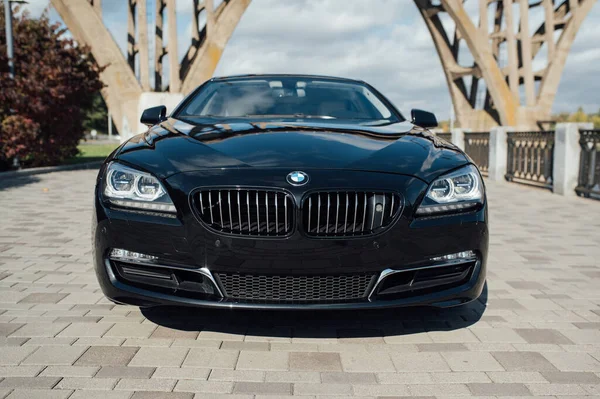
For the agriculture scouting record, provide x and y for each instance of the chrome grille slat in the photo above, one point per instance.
(309, 212)
(262, 211)
(365, 213)
(267, 207)
(346, 217)
(337, 211)
(248, 208)
(221, 209)
(276, 213)
(373, 216)
(229, 203)
(211, 208)
(328, 206)
(257, 214)
(355, 213)
(239, 209)
(383, 210)
(319, 214)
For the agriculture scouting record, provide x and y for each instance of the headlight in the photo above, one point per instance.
(131, 188)
(458, 190)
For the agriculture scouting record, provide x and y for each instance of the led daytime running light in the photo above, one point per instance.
(125, 255)
(431, 209)
(144, 205)
(459, 255)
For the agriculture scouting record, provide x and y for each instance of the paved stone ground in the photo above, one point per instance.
(535, 332)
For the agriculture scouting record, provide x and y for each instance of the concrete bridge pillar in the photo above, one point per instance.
(567, 153)
(498, 152)
(458, 138)
(127, 93)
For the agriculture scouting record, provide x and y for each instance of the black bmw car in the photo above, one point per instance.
(291, 192)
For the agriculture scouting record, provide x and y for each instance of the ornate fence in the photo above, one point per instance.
(477, 146)
(530, 158)
(588, 184)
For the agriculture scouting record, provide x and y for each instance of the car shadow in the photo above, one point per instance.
(16, 181)
(371, 323)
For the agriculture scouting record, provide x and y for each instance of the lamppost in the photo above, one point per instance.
(9, 37)
(10, 49)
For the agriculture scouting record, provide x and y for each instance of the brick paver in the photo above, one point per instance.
(535, 332)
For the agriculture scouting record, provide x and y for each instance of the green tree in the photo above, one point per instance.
(96, 116)
(579, 116)
(42, 110)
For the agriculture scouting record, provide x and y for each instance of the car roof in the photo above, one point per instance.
(282, 75)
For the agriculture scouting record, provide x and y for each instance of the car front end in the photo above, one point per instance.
(343, 240)
(291, 192)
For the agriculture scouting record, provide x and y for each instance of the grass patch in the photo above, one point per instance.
(92, 153)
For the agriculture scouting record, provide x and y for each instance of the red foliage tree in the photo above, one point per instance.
(42, 109)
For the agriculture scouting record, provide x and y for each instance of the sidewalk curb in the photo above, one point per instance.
(49, 169)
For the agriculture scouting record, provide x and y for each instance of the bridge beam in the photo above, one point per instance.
(122, 90)
(159, 50)
(219, 27)
(174, 79)
(142, 45)
(501, 85)
(504, 84)
(551, 77)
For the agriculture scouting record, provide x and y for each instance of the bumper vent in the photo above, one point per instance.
(419, 282)
(172, 281)
(349, 213)
(268, 288)
(265, 213)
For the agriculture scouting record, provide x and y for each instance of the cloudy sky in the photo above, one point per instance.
(384, 42)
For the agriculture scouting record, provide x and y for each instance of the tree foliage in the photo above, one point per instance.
(96, 116)
(42, 110)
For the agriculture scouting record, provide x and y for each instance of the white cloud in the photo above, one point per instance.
(388, 46)
(36, 7)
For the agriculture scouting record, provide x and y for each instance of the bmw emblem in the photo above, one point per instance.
(297, 178)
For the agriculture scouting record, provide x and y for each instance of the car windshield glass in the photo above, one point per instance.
(288, 97)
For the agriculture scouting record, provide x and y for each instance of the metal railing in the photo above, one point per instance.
(530, 157)
(477, 146)
(588, 184)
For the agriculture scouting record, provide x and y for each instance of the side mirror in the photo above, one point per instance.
(423, 118)
(154, 115)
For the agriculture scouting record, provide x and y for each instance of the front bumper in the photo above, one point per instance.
(184, 244)
(122, 292)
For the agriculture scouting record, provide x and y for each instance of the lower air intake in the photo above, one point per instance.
(269, 288)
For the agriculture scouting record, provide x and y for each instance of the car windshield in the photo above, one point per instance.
(288, 97)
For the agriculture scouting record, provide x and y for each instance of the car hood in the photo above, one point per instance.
(176, 146)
